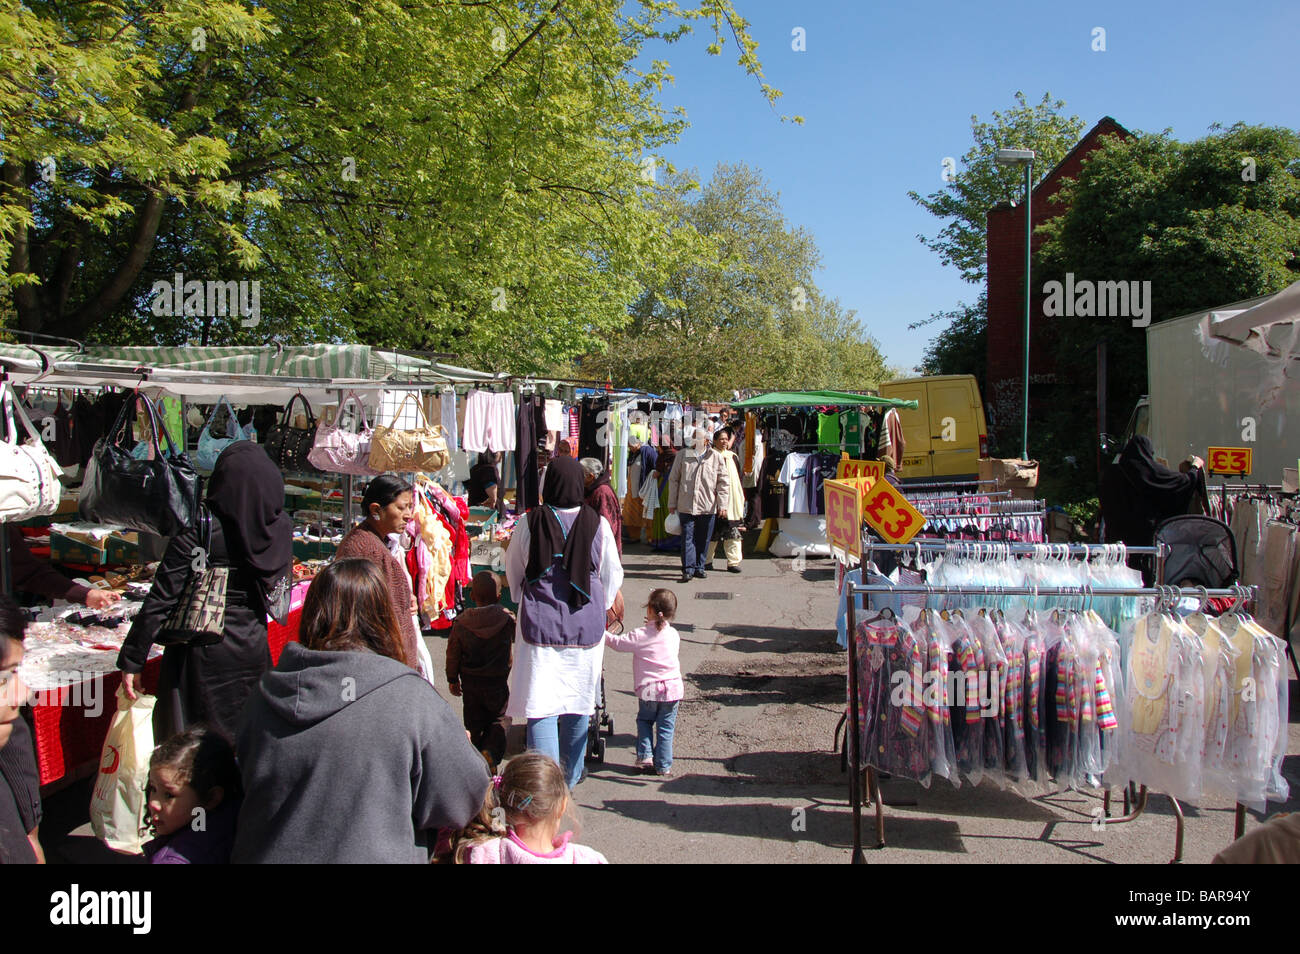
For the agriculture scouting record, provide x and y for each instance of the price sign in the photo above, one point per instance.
(859, 468)
(890, 515)
(844, 517)
(1228, 460)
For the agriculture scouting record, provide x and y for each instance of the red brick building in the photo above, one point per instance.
(1006, 277)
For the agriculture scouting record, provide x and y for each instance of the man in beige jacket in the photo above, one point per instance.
(727, 527)
(697, 492)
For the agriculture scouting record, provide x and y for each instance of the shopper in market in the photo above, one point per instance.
(348, 755)
(30, 574)
(727, 527)
(484, 479)
(642, 458)
(563, 561)
(253, 536)
(20, 799)
(601, 498)
(387, 507)
(697, 493)
(1138, 492)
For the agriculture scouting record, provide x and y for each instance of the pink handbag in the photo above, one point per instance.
(338, 451)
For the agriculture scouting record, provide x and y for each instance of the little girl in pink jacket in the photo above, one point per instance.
(523, 811)
(658, 677)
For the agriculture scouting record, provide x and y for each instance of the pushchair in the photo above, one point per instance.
(600, 720)
(1202, 551)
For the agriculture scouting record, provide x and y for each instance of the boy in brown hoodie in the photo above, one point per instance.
(480, 653)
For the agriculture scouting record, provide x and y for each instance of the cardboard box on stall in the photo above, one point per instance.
(82, 549)
(1018, 476)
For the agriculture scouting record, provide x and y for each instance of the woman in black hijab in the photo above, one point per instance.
(1138, 492)
(253, 535)
(563, 568)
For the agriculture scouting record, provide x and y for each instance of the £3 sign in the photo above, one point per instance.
(844, 518)
(1228, 460)
(890, 515)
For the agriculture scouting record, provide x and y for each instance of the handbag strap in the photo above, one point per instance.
(287, 418)
(212, 415)
(361, 409)
(418, 407)
(156, 424)
(11, 406)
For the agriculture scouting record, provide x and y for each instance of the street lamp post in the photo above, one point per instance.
(1025, 157)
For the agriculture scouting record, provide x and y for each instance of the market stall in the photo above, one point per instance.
(327, 415)
(792, 444)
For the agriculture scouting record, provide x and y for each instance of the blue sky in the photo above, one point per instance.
(887, 92)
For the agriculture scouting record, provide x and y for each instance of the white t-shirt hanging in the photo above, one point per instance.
(794, 474)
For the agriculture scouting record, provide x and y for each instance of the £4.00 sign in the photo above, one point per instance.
(889, 513)
(844, 517)
(874, 469)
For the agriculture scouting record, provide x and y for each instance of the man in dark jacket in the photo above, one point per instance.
(480, 653)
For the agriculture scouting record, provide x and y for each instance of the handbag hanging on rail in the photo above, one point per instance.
(209, 448)
(340, 451)
(199, 616)
(290, 446)
(29, 476)
(158, 496)
(422, 449)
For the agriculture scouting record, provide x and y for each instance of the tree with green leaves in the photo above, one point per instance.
(749, 315)
(472, 178)
(979, 184)
(1207, 222)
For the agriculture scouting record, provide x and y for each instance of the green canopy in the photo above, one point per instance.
(819, 398)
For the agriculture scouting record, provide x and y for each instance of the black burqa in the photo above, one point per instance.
(1138, 492)
(254, 537)
(564, 489)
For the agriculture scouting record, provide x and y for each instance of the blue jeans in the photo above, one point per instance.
(563, 738)
(696, 531)
(661, 719)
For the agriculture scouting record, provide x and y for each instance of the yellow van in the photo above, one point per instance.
(944, 438)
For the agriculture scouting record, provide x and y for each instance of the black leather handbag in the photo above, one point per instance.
(157, 496)
(289, 446)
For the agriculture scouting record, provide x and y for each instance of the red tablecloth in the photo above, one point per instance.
(68, 739)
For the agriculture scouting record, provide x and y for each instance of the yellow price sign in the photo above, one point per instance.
(890, 515)
(859, 468)
(844, 517)
(1228, 460)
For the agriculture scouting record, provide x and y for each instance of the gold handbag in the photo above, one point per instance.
(423, 448)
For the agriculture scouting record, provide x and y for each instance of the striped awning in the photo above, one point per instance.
(350, 362)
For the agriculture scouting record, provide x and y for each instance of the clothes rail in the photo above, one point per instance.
(972, 495)
(1246, 593)
(907, 485)
(998, 512)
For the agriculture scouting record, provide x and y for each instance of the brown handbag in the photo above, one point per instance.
(422, 449)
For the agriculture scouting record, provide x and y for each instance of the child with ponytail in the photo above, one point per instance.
(523, 811)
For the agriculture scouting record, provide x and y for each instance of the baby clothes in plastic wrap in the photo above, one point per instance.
(894, 731)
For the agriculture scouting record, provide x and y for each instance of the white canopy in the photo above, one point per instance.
(1269, 326)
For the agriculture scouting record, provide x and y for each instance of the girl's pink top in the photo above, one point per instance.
(655, 669)
(511, 851)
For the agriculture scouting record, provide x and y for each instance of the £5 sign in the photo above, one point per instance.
(890, 515)
(843, 518)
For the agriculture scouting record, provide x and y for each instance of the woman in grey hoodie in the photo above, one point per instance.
(347, 754)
